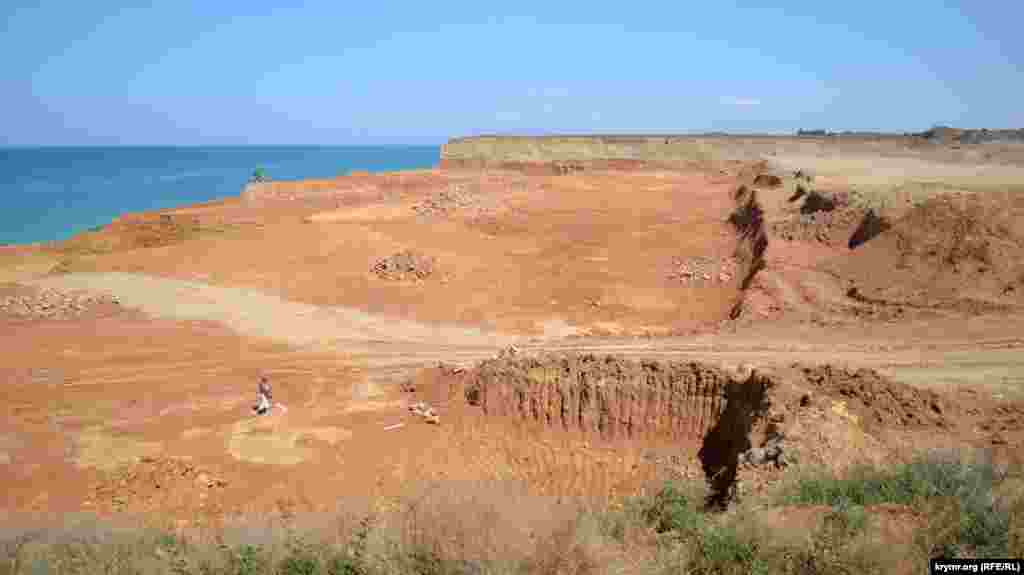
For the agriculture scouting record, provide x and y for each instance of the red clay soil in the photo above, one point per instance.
(613, 234)
(951, 252)
(880, 402)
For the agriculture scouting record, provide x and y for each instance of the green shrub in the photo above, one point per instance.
(722, 550)
(671, 510)
(300, 563)
(979, 524)
(845, 519)
(345, 565)
(246, 560)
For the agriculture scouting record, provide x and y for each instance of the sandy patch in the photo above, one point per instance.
(102, 450)
(558, 328)
(374, 213)
(261, 314)
(9, 443)
(16, 267)
(271, 441)
(196, 433)
(373, 405)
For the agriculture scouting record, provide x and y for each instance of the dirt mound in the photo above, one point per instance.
(147, 231)
(703, 270)
(878, 401)
(870, 227)
(767, 181)
(405, 265)
(445, 203)
(820, 217)
(136, 231)
(49, 304)
(156, 483)
(951, 252)
(955, 233)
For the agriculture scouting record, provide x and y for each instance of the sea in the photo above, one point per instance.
(51, 194)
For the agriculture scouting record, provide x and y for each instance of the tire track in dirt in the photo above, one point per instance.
(391, 348)
(380, 342)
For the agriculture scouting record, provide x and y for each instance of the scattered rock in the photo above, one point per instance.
(771, 452)
(444, 203)
(508, 352)
(703, 269)
(879, 401)
(768, 181)
(52, 304)
(823, 217)
(426, 412)
(405, 265)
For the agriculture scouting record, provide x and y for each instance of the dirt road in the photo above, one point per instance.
(980, 352)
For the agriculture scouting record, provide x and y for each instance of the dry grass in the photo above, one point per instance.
(451, 527)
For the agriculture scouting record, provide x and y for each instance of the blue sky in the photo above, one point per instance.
(250, 72)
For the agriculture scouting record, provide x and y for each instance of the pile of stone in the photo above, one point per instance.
(52, 304)
(405, 265)
(703, 269)
(424, 411)
(445, 202)
(771, 453)
(146, 484)
(508, 352)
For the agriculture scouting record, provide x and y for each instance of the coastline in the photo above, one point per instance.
(61, 192)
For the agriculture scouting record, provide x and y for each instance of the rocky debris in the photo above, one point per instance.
(822, 217)
(426, 412)
(957, 252)
(815, 201)
(52, 304)
(1003, 424)
(702, 269)
(508, 352)
(567, 168)
(405, 265)
(446, 202)
(879, 401)
(152, 483)
(767, 181)
(772, 452)
(748, 220)
(802, 175)
(205, 480)
(871, 226)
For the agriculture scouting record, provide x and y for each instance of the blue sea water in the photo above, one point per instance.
(50, 194)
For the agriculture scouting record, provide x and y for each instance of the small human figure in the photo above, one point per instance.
(264, 395)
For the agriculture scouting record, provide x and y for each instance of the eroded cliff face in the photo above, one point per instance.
(613, 398)
(565, 154)
(609, 397)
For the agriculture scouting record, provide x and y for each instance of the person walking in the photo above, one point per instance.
(264, 396)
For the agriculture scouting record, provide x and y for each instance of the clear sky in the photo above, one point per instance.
(351, 72)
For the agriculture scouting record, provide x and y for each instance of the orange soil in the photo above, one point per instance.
(587, 253)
